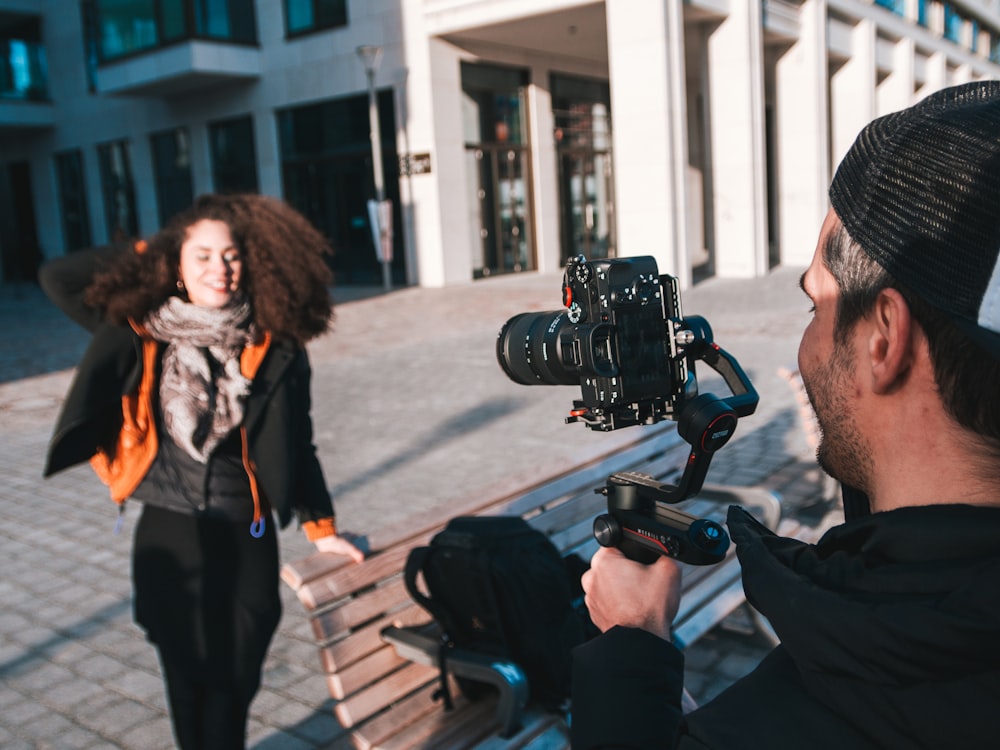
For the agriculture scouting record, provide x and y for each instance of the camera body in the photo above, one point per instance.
(615, 338)
(618, 339)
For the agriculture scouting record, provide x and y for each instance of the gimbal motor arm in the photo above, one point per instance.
(639, 520)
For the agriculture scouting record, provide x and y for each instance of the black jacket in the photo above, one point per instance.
(890, 638)
(277, 416)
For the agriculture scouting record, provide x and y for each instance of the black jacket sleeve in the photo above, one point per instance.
(312, 497)
(64, 280)
(627, 686)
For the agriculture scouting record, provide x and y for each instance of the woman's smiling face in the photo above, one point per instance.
(211, 265)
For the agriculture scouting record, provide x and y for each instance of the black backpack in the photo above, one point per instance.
(497, 586)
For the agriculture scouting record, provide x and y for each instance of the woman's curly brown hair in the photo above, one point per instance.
(285, 273)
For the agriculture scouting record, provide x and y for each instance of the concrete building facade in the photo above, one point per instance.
(512, 133)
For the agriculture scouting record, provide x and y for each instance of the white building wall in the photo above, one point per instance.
(850, 61)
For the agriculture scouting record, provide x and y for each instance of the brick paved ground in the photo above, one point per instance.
(411, 412)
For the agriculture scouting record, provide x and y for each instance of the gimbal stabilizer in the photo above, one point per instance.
(639, 520)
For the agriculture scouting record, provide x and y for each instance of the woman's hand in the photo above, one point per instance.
(338, 545)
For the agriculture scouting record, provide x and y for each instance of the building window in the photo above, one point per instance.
(73, 200)
(995, 47)
(234, 161)
(952, 24)
(23, 70)
(896, 6)
(923, 13)
(128, 27)
(303, 16)
(326, 170)
(172, 169)
(119, 190)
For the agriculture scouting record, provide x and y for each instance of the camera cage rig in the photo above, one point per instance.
(639, 520)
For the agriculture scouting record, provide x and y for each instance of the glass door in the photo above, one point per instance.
(499, 167)
(586, 176)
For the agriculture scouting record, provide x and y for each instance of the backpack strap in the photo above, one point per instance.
(414, 563)
(443, 692)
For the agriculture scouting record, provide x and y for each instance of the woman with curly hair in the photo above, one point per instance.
(193, 398)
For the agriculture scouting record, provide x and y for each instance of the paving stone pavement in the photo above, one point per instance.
(411, 412)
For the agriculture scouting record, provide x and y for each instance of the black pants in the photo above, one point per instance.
(206, 592)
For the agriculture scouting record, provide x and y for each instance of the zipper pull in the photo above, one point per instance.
(120, 521)
(257, 528)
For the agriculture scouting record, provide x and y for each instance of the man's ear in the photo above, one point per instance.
(890, 342)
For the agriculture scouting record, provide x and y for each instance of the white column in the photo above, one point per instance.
(646, 63)
(545, 187)
(895, 92)
(267, 147)
(937, 74)
(202, 180)
(852, 92)
(435, 204)
(736, 104)
(802, 136)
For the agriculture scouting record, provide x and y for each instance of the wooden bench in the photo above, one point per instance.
(385, 700)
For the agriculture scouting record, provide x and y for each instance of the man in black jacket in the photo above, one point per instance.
(889, 625)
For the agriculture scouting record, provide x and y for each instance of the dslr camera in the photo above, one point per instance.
(622, 337)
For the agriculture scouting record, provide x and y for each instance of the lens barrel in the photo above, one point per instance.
(528, 349)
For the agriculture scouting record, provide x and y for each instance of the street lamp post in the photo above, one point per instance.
(371, 56)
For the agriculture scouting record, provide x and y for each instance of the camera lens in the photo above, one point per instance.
(528, 349)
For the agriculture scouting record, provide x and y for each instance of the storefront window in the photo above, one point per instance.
(73, 200)
(119, 190)
(172, 169)
(234, 159)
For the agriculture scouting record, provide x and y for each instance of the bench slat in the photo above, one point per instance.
(688, 630)
(386, 598)
(459, 729)
(353, 678)
(534, 724)
(404, 712)
(345, 580)
(358, 707)
(366, 640)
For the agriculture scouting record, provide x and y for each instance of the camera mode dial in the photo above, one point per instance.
(643, 290)
(584, 272)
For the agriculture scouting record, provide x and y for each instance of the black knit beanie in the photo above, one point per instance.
(920, 192)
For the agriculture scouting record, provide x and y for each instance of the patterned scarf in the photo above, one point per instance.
(201, 387)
